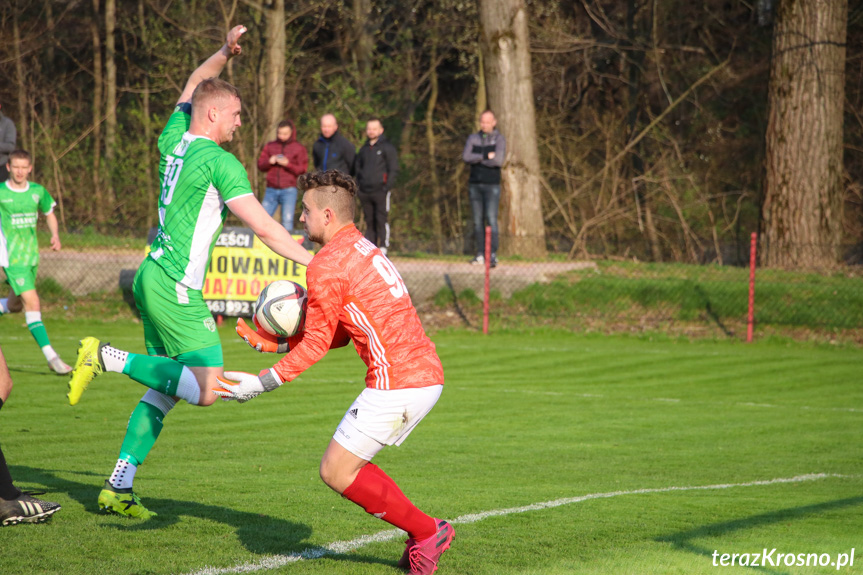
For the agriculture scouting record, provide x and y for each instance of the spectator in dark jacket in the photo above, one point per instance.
(332, 151)
(284, 160)
(8, 137)
(376, 169)
(484, 152)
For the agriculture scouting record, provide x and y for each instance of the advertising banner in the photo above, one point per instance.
(240, 268)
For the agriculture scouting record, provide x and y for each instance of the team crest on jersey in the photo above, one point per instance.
(210, 324)
(35, 198)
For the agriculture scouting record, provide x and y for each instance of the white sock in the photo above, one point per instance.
(4, 305)
(159, 400)
(123, 475)
(188, 388)
(49, 352)
(32, 316)
(113, 358)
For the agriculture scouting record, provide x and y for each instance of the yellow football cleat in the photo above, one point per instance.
(123, 502)
(88, 366)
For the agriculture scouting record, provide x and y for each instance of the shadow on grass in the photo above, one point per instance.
(711, 313)
(257, 532)
(683, 540)
(458, 307)
(39, 371)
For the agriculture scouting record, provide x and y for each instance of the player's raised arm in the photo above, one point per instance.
(214, 64)
(271, 232)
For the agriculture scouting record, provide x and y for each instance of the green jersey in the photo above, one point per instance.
(19, 210)
(196, 177)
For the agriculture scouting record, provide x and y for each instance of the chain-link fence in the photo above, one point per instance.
(605, 294)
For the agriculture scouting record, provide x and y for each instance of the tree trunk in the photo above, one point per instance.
(506, 56)
(803, 191)
(97, 112)
(635, 31)
(408, 100)
(110, 98)
(363, 44)
(145, 120)
(481, 93)
(430, 137)
(23, 141)
(274, 88)
(48, 68)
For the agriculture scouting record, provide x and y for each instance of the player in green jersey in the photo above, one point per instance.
(199, 183)
(20, 204)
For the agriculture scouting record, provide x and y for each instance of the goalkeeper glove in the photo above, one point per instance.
(261, 340)
(246, 386)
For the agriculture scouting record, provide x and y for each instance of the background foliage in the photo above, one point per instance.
(603, 72)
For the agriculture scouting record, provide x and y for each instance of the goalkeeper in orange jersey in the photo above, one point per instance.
(355, 293)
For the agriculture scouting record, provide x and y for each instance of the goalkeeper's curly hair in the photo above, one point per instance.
(333, 189)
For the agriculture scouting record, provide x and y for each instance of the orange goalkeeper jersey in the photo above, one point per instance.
(353, 288)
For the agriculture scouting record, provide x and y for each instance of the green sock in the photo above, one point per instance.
(144, 428)
(159, 373)
(40, 334)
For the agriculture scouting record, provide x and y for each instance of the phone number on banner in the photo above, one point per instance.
(230, 307)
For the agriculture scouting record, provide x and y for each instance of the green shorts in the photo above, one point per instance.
(176, 319)
(21, 278)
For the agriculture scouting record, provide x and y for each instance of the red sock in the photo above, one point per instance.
(378, 494)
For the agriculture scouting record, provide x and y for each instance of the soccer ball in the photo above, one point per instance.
(281, 308)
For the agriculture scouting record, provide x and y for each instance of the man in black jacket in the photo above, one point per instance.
(332, 151)
(376, 169)
(484, 152)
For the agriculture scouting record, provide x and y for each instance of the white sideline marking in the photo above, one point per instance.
(276, 561)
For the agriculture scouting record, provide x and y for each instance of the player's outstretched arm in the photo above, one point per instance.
(271, 232)
(215, 63)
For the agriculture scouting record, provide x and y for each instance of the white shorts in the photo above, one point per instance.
(384, 417)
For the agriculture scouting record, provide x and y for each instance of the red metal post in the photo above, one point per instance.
(750, 320)
(487, 279)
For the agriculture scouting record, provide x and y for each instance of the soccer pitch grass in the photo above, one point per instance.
(552, 453)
